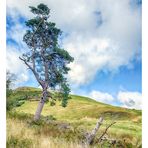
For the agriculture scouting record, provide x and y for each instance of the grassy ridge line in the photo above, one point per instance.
(83, 104)
(76, 97)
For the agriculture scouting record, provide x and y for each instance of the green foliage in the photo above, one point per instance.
(8, 93)
(14, 103)
(48, 62)
(63, 53)
(65, 90)
(41, 9)
(17, 98)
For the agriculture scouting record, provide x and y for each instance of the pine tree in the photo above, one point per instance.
(47, 61)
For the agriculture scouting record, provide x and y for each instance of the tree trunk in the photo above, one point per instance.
(40, 105)
(39, 110)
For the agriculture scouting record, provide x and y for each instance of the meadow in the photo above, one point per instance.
(66, 127)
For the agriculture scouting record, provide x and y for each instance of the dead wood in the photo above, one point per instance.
(90, 137)
(101, 137)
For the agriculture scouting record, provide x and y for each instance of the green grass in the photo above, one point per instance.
(81, 114)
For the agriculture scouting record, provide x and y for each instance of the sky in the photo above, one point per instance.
(103, 36)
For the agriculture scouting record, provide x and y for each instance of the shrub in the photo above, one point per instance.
(11, 103)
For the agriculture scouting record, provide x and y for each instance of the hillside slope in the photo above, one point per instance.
(82, 113)
(78, 107)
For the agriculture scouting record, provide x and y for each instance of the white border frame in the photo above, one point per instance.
(145, 74)
(3, 74)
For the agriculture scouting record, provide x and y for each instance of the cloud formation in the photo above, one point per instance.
(15, 66)
(101, 96)
(130, 99)
(99, 34)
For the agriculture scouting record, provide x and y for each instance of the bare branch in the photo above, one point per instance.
(33, 70)
(29, 66)
(100, 138)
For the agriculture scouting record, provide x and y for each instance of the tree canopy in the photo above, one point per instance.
(46, 59)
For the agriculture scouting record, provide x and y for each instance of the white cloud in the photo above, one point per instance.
(114, 43)
(16, 33)
(130, 99)
(16, 66)
(101, 96)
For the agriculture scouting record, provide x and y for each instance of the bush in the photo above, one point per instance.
(11, 103)
(19, 103)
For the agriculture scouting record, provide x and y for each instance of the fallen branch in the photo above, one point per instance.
(100, 138)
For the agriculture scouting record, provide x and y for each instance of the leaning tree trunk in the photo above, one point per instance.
(40, 105)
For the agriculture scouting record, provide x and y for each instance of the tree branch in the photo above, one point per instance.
(100, 138)
(32, 58)
(33, 70)
(26, 63)
(45, 66)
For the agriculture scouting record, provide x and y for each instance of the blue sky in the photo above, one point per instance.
(105, 42)
(125, 79)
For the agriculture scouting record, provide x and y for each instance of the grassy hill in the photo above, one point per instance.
(80, 115)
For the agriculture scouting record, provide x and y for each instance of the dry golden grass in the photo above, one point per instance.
(22, 134)
(17, 129)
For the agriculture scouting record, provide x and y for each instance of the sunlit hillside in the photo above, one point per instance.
(66, 127)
